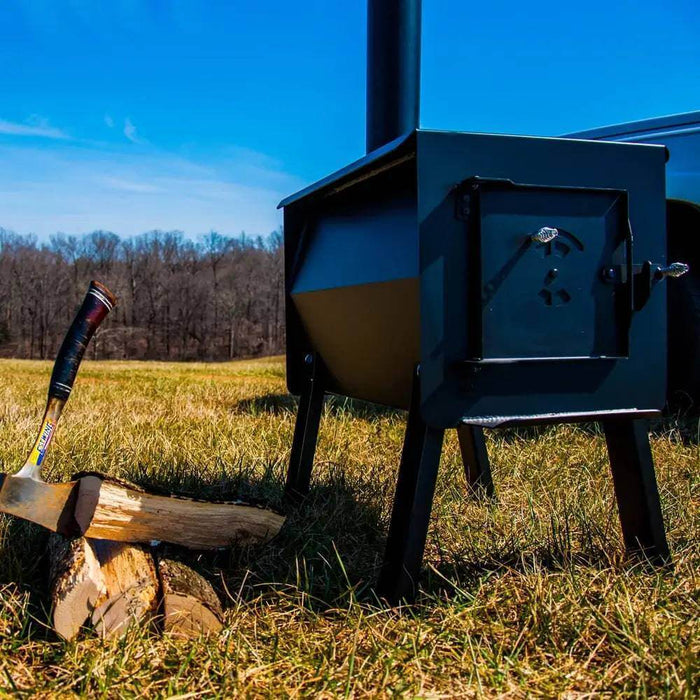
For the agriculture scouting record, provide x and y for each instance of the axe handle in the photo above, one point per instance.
(98, 302)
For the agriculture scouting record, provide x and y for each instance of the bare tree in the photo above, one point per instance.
(219, 298)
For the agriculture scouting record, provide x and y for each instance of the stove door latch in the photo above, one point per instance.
(676, 269)
(645, 277)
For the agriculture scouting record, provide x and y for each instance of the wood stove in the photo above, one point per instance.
(478, 281)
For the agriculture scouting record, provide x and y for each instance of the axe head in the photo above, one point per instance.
(51, 505)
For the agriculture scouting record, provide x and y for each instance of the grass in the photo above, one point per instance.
(527, 596)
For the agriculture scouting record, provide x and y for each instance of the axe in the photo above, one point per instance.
(102, 507)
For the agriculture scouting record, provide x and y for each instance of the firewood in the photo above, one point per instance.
(190, 604)
(117, 510)
(131, 586)
(76, 583)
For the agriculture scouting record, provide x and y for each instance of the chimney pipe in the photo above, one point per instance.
(393, 69)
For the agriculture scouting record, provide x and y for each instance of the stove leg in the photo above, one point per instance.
(635, 488)
(476, 459)
(301, 459)
(412, 503)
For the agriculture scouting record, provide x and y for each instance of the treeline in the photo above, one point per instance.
(216, 298)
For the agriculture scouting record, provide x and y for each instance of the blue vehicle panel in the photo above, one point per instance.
(680, 134)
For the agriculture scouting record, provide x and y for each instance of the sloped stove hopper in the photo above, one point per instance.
(478, 281)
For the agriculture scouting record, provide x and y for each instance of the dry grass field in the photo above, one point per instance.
(526, 596)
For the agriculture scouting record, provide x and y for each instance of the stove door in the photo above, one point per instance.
(550, 273)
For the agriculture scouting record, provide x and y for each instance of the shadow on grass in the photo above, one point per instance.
(447, 578)
(277, 404)
(223, 482)
(329, 549)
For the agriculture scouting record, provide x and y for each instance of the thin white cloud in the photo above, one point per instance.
(121, 185)
(35, 126)
(109, 121)
(79, 188)
(131, 133)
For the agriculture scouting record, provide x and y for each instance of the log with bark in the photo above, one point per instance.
(190, 605)
(113, 585)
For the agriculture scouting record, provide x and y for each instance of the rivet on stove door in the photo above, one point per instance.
(544, 235)
(609, 274)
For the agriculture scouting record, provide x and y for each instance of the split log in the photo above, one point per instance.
(76, 583)
(116, 584)
(130, 591)
(119, 511)
(190, 604)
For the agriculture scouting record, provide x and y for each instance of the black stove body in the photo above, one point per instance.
(505, 266)
(478, 281)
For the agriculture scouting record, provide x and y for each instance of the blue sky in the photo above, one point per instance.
(131, 115)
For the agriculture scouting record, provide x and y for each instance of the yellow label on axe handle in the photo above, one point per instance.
(42, 444)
